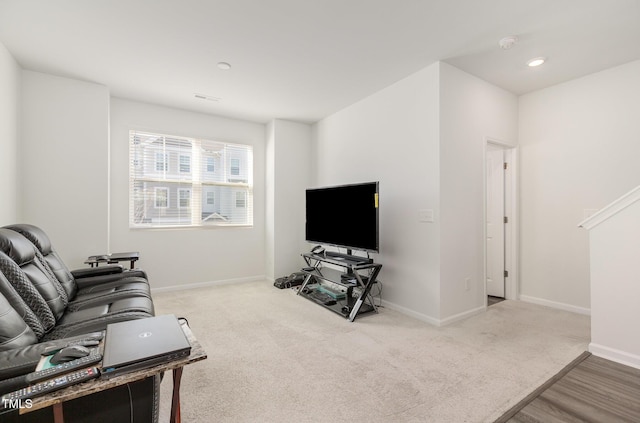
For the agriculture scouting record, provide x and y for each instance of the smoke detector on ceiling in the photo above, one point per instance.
(507, 42)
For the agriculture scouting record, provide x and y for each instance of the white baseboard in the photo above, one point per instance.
(414, 314)
(556, 305)
(432, 320)
(462, 316)
(613, 354)
(207, 284)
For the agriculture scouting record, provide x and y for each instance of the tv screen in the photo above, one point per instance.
(344, 216)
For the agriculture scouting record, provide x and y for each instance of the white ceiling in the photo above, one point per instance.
(306, 59)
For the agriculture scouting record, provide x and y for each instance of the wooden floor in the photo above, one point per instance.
(591, 389)
(493, 300)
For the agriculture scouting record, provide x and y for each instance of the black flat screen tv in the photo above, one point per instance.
(343, 216)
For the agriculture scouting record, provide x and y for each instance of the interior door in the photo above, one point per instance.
(495, 221)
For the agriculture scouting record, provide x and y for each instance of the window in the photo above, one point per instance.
(241, 199)
(161, 197)
(211, 164)
(180, 181)
(162, 162)
(184, 198)
(235, 167)
(185, 163)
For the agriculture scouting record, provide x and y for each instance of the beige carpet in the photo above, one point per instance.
(276, 357)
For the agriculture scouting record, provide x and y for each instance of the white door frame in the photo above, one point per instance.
(511, 242)
(495, 226)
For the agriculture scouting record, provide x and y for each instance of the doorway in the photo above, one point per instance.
(500, 222)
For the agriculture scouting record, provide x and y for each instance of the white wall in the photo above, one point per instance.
(471, 110)
(424, 139)
(579, 149)
(421, 138)
(392, 137)
(179, 257)
(614, 235)
(9, 133)
(269, 202)
(63, 163)
(288, 175)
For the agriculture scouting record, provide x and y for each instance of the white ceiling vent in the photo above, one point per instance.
(207, 97)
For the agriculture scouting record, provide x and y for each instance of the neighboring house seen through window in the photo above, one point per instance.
(180, 181)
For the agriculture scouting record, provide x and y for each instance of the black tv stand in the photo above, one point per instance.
(349, 257)
(350, 283)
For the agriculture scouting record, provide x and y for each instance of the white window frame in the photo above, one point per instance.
(156, 197)
(211, 195)
(241, 197)
(234, 170)
(210, 162)
(147, 185)
(163, 163)
(180, 164)
(189, 197)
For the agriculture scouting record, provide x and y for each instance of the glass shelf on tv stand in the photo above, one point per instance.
(348, 277)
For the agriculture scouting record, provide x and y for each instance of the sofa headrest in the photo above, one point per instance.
(16, 246)
(34, 234)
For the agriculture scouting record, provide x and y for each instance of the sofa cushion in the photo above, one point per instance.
(92, 325)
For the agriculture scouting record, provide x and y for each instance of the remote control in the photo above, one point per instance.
(10, 385)
(51, 385)
(63, 368)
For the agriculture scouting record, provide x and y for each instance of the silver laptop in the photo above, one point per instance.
(143, 343)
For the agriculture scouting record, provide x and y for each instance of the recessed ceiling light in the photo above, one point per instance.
(224, 65)
(536, 62)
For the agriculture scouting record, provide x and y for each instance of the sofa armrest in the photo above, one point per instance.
(92, 281)
(19, 361)
(97, 271)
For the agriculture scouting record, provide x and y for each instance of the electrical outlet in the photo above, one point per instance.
(425, 215)
(467, 284)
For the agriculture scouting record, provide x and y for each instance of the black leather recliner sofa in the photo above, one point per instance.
(88, 282)
(42, 303)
